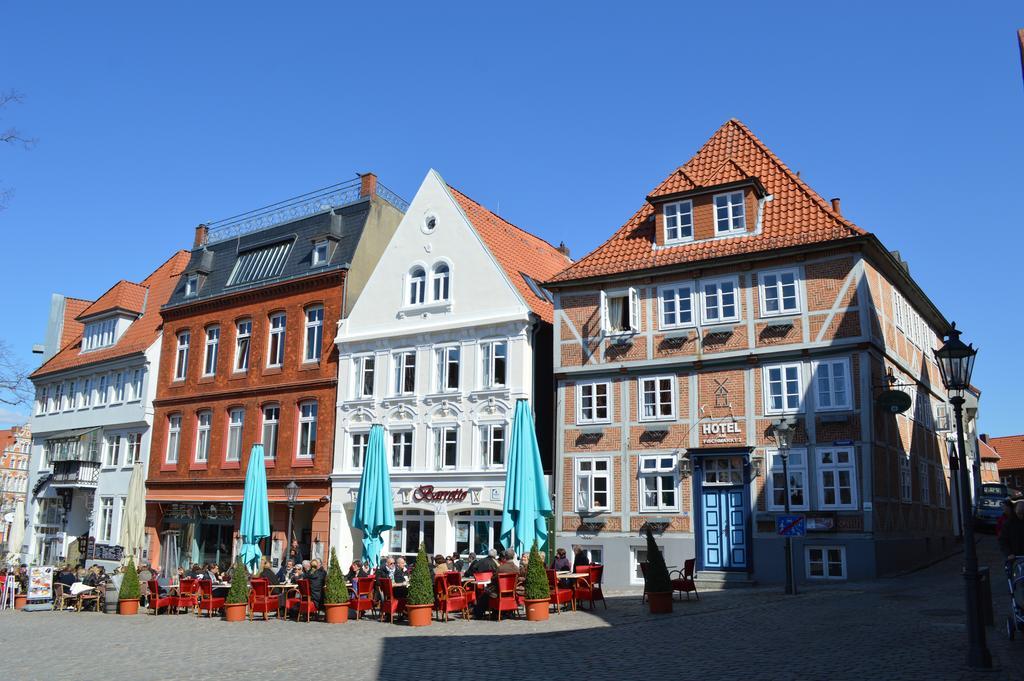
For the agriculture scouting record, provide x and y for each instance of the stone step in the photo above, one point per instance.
(713, 579)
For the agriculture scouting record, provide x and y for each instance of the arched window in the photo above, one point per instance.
(441, 281)
(417, 285)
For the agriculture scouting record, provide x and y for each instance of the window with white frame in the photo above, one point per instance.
(360, 441)
(173, 438)
(825, 562)
(106, 519)
(271, 422)
(101, 389)
(620, 312)
(678, 221)
(832, 388)
(405, 372)
(446, 447)
(136, 385)
(203, 421)
(594, 400)
(99, 334)
(417, 286)
(495, 363)
(659, 483)
(593, 484)
(440, 278)
(314, 333)
(492, 445)
(112, 455)
(307, 429)
(730, 213)
(657, 398)
(940, 487)
(837, 478)
(191, 285)
(59, 399)
(924, 477)
(365, 368)
(236, 421)
(119, 386)
(796, 466)
(448, 368)
(782, 389)
(74, 396)
(320, 252)
(675, 306)
(243, 341)
(212, 348)
(906, 482)
(720, 301)
(134, 454)
(275, 340)
(779, 292)
(181, 359)
(401, 449)
(40, 401)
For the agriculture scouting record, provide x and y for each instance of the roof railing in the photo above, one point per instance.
(295, 208)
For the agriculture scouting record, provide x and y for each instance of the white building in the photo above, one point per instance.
(93, 414)
(452, 328)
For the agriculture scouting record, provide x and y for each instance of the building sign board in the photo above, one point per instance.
(721, 433)
(439, 496)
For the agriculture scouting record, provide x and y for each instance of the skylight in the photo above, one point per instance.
(260, 263)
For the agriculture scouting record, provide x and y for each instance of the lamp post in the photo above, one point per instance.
(956, 362)
(784, 432)
(292, 490)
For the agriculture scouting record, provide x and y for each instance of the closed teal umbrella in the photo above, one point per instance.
(255, 524)
(527, 503)
(374, 511)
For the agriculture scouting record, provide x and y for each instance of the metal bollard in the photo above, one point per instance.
(985, 595)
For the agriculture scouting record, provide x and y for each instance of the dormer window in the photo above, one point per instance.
(99, 334)
(320, 253)
(730, 215)
(678, 222)
(191, 285)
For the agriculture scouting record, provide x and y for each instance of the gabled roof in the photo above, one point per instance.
(517, 251)
(796, 215)
(140, 334)
(1011, 451)
(987, 452)
(124, 295)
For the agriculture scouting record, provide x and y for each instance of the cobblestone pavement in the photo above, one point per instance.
(909, 627)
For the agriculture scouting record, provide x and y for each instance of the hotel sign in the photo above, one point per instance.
(721, 433)
(428, 493)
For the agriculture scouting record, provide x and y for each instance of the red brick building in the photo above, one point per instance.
(1011, 459)
(15, 450)
(248, 358)
(735, 297)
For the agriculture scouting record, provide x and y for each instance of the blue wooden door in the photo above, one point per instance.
(723, 528)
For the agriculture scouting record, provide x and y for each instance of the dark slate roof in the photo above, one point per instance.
(343, 227)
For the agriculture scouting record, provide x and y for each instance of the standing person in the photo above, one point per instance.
(561, 563)
(579, 558)
(1011, 538)
(1007, 510)
(294, 552)
(317, 577)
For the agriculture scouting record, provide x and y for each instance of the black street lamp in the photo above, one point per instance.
(956, 362)
(784, 432)
(292, 490)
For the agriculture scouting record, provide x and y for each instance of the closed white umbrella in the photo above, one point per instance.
(17, 533)
(133, 526)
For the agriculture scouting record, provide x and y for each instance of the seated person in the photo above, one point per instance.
(561, 563)
(267, 571)
(507, 565)
(488, 563)
(285, 573)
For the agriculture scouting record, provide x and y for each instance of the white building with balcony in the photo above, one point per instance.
(452, 328)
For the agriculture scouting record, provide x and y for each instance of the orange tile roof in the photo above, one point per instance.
(795, 216)
(72, 328)
(139, 335)
(517, 251)
(987, 452)
(1011, 451)
(124, 295)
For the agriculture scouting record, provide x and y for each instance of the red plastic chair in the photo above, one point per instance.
(389, 604)
(449, 596)
(454, 578)
(207, 601)
(188, 595)
(156, 601)
(507, 599)
(559, 594)
(684, 582)
(589, 588)
(260, 599)
(302, 600)
(363, 595)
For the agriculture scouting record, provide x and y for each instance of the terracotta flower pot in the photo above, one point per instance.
(337, 613)
(537, 609)
(234, 612)
(19, 601)
(419, 615)
(660, 602)
(128, 606)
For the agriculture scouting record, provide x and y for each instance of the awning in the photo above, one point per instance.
(75, 434)
(219, 496)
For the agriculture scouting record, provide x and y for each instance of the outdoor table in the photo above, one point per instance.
(282, 585)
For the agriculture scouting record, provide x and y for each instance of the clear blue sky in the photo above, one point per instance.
(151, 118)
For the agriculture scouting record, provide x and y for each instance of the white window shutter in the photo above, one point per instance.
(634, 310)
(604, 312)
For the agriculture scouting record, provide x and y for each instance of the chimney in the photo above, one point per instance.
(563, 249)
(201, 235)
(367, 184)
(835, 206)
(984, 437)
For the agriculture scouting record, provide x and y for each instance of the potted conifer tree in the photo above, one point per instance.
(538, 592)
(237, 600)
(128, 596)
(335, 593)
(657, 582)
(420, 599)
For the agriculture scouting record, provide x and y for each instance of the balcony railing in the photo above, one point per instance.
(75, 474)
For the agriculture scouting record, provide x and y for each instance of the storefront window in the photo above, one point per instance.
(411, 528)
(477, 531)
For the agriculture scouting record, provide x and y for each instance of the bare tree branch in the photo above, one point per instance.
(15, 388)
(13, 135)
